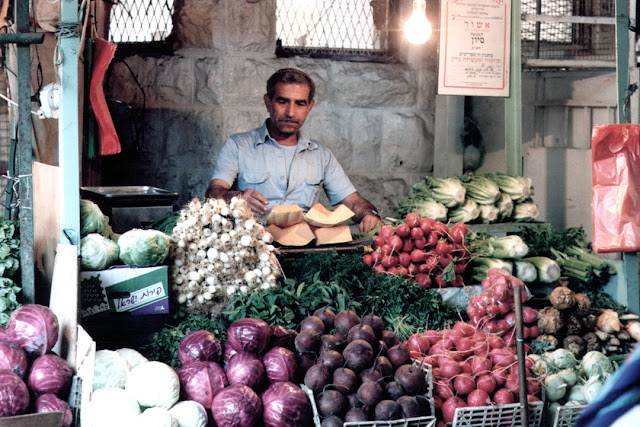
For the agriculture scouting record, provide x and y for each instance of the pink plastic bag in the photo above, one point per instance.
(615, 162)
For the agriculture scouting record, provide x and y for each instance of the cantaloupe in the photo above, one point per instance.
(285, 215)
(319, 216)
(299, 234)
(332, 235)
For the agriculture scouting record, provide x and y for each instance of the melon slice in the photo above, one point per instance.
(285, 215)
(299, 234)
(319, 216)
(332, 235)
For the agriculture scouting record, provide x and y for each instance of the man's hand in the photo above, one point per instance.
(370, 221)
(256, 201)
(221, 190)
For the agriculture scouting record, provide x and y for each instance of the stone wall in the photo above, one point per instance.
(378, 118)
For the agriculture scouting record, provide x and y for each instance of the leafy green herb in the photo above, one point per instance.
(163, 346)
(603, 300)
(541, 240)
(290, 302)
(404, 306)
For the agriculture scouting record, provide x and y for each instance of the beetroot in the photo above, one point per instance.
(330, 342)
(411, 378)
(313, 323)
(345, 380)
(331, 402)
(355, 415)
(332, 421)
(390, 338)
(384, 365)
(409, 406)
(370, 374)
(375, 322)
(361, 332)
(331, 359)
(308, 341)
(399, 355)
(327, 315)
(317, 377)
(370, 393)
(358, 355)
(393, 390)
(345, 320)
(387, 410)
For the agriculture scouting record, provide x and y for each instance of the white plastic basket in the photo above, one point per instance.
(497, 416)
(427, 421)
(566, 416)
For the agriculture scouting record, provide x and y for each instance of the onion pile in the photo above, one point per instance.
(422, 250)
(218, 249)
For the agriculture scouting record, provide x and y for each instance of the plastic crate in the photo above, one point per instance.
(566, 416)
(497, 416)
(427, 421)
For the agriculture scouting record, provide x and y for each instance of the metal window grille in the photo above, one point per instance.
(568, 32)
(136, 21)
(336, 28)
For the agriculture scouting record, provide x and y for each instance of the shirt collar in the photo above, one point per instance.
(304, 143)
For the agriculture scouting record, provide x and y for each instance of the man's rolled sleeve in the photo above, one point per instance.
(336, 182)
(227, 165)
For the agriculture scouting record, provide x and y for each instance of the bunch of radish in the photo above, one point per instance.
(422, 250)
(492, 310)
(475, 364)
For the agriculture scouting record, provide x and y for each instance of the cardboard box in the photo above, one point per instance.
(125, 289)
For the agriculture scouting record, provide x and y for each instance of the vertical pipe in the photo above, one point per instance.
(522, 373)
(24, 149)
(513, 104)
(68, 124)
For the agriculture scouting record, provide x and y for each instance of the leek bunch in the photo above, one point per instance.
(548, 270)
(509, 247)
(480, 266)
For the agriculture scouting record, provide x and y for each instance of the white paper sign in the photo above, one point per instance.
(474, 47)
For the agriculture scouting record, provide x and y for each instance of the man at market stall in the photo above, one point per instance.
(276, 164)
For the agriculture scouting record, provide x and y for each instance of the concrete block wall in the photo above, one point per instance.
(378, 118)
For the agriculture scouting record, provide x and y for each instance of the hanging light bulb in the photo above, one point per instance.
(417, 29)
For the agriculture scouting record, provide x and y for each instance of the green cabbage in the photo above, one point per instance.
(92, 220)
(97, 252)
(143, 248)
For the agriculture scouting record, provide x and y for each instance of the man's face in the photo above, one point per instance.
(289, 108)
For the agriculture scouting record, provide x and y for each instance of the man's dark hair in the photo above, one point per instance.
(290, 75)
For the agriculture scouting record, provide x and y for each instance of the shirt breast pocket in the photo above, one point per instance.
(254, 179)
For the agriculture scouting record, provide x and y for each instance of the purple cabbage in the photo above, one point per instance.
(285, 405)
(14, 394)
(282, 337)
(3, 333)
(13, 358)
(49, 402)
(279, 364)
(199, 346)
(245, 368)
(50, 373)
(249, 334)
(228, 353)
(34, 327)
(201, 381)
(236, 406)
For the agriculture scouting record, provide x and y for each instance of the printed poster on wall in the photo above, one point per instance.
(474, 47)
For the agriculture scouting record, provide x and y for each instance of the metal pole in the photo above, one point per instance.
(513, 104)
(522, 370)
(25, 144)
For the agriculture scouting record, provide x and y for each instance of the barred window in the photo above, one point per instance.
(140, 21)
(336, 28)
(557, 32)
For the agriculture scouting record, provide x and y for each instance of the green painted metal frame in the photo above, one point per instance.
(24, 152)
(513, 104)
(68, 124)
(629, 259)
